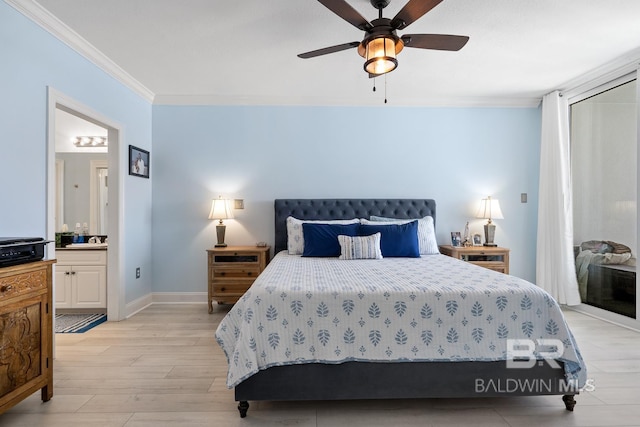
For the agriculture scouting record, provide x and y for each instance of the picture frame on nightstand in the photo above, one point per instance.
(477, 239)
(456, 239)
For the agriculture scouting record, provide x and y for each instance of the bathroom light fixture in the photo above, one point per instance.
(221, 209)
(90, 141)
(489, 209)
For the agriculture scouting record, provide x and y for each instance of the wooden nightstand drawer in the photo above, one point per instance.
(496, 266)
(491, 257)
(232, 270)
(235, 259)
(236, 287)
(236, 272)
(483, 257)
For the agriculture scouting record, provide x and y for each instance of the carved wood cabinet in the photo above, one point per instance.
(26, 332)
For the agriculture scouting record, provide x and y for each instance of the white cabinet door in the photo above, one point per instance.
(90, 286)
(81, 279)
(63, 287)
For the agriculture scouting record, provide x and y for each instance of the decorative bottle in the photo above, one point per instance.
(76, 233)
(84, 233)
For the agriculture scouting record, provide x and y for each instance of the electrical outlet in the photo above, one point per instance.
(137, 272)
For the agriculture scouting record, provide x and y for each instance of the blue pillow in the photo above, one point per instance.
(397, 240)
(321, 240)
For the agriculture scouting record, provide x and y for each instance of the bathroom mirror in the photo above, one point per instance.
(82, 175)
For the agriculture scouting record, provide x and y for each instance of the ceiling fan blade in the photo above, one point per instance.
(411, 12)
(327, 50)
(348, 13)
(435, 41)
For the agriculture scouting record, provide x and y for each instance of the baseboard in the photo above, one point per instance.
(137, 305)
(164, 298)
(606, 316)
(179, 297)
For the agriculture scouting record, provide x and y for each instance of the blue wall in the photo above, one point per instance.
(33, 60)
(454, 155)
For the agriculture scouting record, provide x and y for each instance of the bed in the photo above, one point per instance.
(323, 328)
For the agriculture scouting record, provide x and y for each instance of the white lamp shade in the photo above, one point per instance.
(489, 209)
(221, 209)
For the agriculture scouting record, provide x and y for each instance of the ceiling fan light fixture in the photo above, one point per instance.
(380, 54)
(381, 44)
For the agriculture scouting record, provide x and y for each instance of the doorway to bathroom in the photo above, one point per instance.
(104, 181)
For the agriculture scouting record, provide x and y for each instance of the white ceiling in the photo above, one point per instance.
(244, 52)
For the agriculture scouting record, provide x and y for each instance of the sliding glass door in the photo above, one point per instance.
(604, 160)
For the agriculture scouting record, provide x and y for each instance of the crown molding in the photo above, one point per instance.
(42, 17)
(619, 67)
(442, 102)
(50, 23)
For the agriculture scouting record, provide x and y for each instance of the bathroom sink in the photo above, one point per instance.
(87, 245)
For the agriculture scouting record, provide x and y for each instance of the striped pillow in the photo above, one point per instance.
(360, 247)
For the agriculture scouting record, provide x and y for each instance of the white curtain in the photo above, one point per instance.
(555, 267)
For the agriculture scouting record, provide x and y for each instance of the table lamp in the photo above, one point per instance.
(220, 210)
(489, 209)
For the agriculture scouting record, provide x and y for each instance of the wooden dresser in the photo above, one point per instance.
(26, 332)
(491, 257)
(232, 270)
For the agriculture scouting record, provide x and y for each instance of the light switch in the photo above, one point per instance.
(523, 197)
(238, 203)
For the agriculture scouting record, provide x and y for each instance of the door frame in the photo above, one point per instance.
(94, 194)
(115, 253)
(616, 77)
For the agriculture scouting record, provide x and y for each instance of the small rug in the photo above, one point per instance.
(77, 323)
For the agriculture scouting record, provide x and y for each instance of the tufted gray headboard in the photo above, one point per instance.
(346, 209)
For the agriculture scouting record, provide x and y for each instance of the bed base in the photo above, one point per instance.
(358, 380)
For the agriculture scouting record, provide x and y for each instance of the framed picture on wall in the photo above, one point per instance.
(139, 161)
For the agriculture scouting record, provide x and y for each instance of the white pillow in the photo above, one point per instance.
(295, 239)
(360, 247)
(426, 231)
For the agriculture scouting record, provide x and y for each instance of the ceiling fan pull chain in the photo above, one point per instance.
(385, 88)
(374, 84)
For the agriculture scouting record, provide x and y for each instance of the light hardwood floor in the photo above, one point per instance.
(162, 367)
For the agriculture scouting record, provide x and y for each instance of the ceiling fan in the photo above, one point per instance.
(381, 44)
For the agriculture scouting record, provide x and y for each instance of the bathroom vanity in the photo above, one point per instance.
(81, 277)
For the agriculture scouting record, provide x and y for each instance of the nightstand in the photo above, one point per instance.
(232, 270)
(491, 257)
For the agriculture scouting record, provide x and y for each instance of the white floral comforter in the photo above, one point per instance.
(433, 308)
